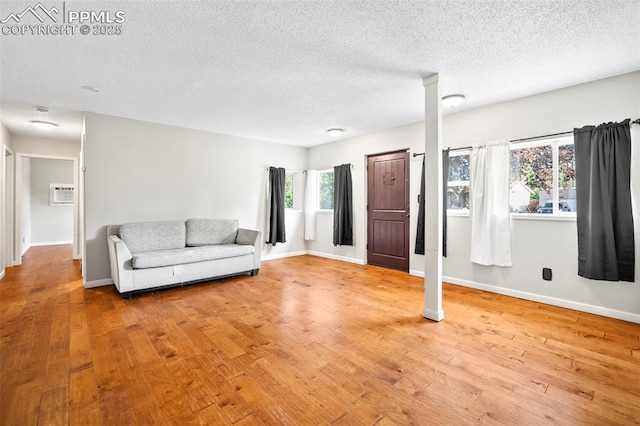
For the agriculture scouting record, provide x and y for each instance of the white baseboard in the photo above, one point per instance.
(51, 243)
(416, 273)
(563, 303)
(2, 274)
(283, 255)
(26, 248)
(314, 253)
(98, 283)
(336, 257)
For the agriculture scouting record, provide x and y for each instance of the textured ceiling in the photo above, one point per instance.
(286, 71)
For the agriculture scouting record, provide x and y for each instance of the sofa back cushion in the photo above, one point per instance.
(151, 236)
(203, 232)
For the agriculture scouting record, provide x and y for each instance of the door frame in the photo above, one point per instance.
(8, 206)
(17, 222)
(366, 204)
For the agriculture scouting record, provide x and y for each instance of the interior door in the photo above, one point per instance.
(388, 210)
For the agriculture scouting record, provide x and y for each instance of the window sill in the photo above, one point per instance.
(324, 211)
(544, 217)
(523, 216)
(458, 213)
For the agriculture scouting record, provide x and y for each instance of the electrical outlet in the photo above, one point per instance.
(546, 274)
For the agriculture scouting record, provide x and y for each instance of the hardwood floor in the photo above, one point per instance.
(307, 341)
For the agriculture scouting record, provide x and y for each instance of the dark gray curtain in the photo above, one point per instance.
(342, 206)
(421, 213)
(606, 249)
(445, 198)
(276, 206)
(421, 216)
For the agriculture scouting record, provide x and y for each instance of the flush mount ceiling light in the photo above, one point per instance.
(452, 101)
(335, 132)
(43, 125)
(90, 89)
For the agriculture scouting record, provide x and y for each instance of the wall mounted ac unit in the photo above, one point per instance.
(60, 194)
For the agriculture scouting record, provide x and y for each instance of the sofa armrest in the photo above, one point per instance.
(120, 261)
(251, 238)
(247, 237)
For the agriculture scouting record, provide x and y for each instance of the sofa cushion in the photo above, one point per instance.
(152, 236)
(153, 259)
(202, 232)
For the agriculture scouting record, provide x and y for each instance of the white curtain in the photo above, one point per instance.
(490, 221)
(310, 205)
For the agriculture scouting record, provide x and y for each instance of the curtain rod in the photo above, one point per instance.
(637, 121)
(304, 171)
(289, 171)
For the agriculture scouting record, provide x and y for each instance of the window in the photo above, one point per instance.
(325, 189)
(543, 177)
(288, 191)
(458, 185)
(293, 190)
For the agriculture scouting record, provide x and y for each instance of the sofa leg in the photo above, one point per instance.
(127, 295)
(254, 272)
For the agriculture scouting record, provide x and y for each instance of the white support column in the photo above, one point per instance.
(433, 201)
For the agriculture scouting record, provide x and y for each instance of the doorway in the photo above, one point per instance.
(388, 210)
(25, 225)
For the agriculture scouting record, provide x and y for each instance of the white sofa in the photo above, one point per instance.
(150, 255)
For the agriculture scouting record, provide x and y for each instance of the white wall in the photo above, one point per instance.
(6, 139)
(536, 244)
(355, 151)
(50, 224)
(140, 171)
(44, 146)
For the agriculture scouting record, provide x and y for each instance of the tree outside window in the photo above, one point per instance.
(288, 191)
(325, 190)
(458, 185)
(543, 178)
(567, 172)
(531, 178)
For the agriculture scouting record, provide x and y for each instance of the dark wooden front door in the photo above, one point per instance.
(388, 210)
